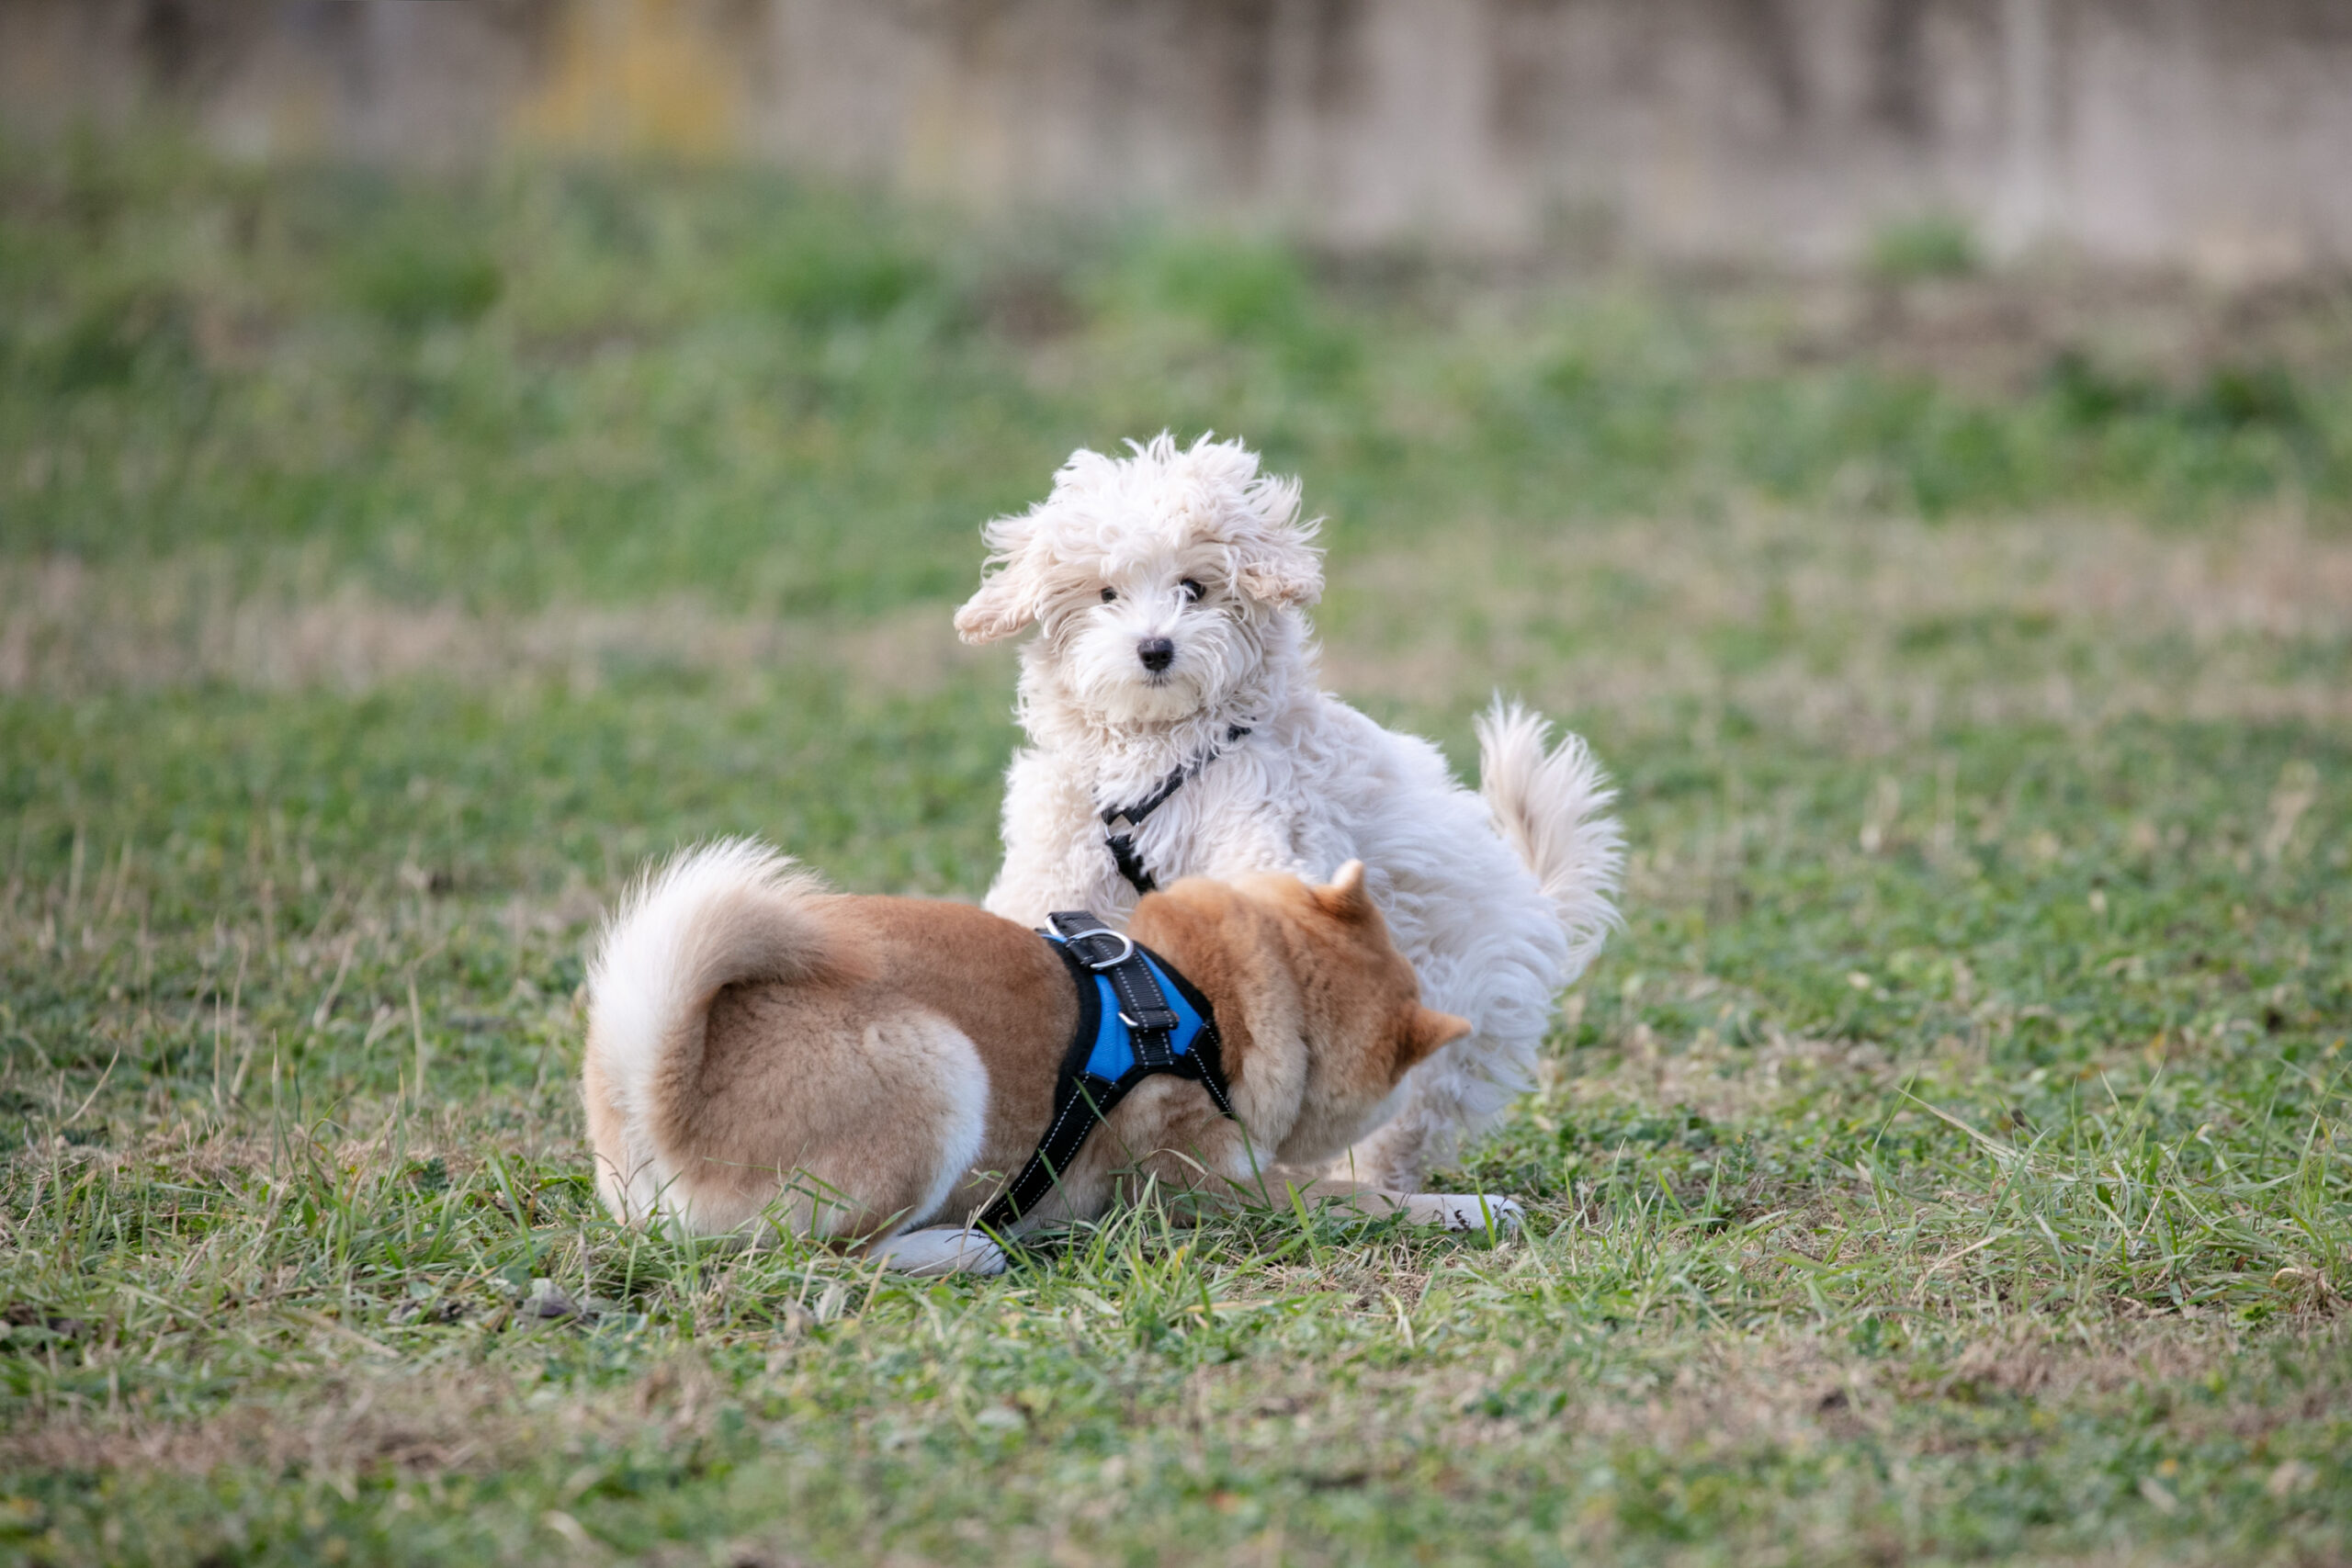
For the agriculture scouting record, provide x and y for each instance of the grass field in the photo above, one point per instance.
(1947, 1163)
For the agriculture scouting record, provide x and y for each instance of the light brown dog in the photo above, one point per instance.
(765, 1056)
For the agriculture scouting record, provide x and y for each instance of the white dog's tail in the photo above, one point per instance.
(715, 916)
(1553, 808)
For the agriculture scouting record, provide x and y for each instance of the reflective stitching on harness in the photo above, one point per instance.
(1055, 1131)
(1147, 1022)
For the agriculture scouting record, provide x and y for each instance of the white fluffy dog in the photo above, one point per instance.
(1176, 729)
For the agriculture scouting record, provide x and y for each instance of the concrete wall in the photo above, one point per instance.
(2211, 134)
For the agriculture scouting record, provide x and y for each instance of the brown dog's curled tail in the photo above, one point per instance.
(718, 915)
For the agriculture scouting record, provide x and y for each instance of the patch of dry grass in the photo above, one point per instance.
(1875, 630)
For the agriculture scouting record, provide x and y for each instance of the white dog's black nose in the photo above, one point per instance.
(1157, 653)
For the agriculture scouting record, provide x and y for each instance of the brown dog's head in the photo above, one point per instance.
(1351, 999)
(1362, 986)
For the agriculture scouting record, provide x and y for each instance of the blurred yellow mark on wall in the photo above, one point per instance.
(636, 75)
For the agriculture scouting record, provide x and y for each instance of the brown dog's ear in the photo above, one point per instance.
(1005, 604)
(1346, 897)
(1424, 1032)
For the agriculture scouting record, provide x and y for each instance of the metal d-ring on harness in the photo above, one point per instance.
(1137, 1016)
(1120, 822)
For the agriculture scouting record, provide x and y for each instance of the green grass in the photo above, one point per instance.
(1947, 1163)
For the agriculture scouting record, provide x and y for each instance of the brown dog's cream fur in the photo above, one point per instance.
(762, 1054)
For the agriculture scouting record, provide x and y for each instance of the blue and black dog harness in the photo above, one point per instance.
(1137, 1016)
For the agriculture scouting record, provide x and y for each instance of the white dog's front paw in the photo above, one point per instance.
(1466, 1212)
(942, 1250)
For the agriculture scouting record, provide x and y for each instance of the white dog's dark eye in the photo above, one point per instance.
(1109, 595)
(1192, 591)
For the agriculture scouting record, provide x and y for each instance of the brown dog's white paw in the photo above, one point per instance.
(942, 1250)
(1464, 1211)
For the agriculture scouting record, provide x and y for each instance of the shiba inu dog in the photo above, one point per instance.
(765, 1056)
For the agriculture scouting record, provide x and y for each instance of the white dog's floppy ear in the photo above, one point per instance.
(1276, 561)
(1003, 605)
(1007, 601)
(1291, 578)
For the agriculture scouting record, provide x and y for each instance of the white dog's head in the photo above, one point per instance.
(1155, 579)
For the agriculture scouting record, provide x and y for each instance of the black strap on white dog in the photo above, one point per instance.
(1120, 822)
(1137, 1016)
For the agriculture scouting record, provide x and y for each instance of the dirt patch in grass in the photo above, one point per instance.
(66, 631)
(1866, 629)
(462, 1421)
(1866, 632)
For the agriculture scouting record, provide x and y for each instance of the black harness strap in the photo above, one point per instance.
(1083, 1095)
(1120, 822)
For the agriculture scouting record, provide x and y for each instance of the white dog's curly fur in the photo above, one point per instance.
(1195, 556)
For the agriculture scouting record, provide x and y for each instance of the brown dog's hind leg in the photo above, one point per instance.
(808, 1117)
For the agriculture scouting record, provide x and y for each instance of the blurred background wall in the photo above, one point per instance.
(2211, 135)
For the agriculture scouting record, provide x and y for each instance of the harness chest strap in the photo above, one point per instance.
(1137, 1017)
(1120, 822)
